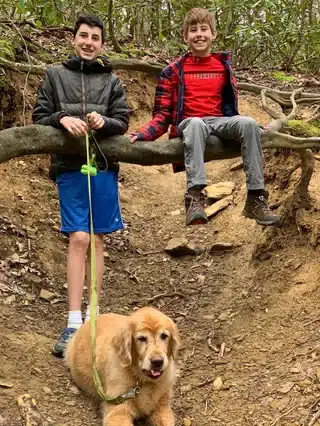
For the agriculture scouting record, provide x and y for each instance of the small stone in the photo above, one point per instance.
(74, 390)
(47, 295)
(218, 206)
(34, 279)
(286, 387)
(208, 317)
(297, 265)
(223, 316)
(187, 421)
(219, 190)
(304, 383)
(30, 297)
(106, 255)
(217, 384)
(175, 213)
(46, 390)
(180, 247)
(70, 403)
(9, 300)
(185, 388)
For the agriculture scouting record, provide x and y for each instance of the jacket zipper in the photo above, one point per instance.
(83, 91)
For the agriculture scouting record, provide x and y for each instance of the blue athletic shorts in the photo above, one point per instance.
(74, 202)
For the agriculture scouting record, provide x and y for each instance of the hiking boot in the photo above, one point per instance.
(61, 345)
(257, 208)
(195, 214)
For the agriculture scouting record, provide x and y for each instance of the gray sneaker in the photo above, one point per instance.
(61, 345)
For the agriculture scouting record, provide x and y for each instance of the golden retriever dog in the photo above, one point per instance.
(137, 349)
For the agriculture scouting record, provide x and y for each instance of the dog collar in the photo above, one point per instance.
(131, 393)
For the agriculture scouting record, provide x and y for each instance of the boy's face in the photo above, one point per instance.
(87, 42)
(199, 38)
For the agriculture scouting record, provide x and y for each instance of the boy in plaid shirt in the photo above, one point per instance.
(197, 96)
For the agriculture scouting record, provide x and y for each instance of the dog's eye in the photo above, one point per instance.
(163, 336)
(142, 339)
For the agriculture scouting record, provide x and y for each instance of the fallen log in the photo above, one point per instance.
(35, 139)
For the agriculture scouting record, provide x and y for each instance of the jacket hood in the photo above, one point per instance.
(96, 66)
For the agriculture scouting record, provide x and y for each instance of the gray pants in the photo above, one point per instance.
(245, 130)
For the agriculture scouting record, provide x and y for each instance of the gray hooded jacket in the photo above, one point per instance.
(75, 88)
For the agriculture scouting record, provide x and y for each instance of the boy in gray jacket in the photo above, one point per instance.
(79, 95)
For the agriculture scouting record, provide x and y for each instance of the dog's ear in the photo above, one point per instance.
(175, 342)
(123, 345)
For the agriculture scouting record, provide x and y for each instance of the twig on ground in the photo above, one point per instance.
(222, 349)
(159, 296)
(315, 115)
(206, 382)
(314, 418)
(312, 321)
(283, 415)
(211, 346)
(133, 276)
(146, 253)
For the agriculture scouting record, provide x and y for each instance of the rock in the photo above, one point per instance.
(175, 213)
(303, 384)
(286, 387)
(46, 390)
(47, 295)
(30, 297)
(185, 388)
(224, 316)
(75, 390)
(187, 421)
(236, 166)
(218, 206)
(217, 384)
(219, 190)
(221, 247)
(180, 247)
(70, 403)
(9, 300)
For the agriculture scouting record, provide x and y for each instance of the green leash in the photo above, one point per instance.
(89, 169)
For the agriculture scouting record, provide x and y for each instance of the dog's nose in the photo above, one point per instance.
(156, 362)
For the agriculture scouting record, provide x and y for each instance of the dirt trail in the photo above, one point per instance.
(264, 315)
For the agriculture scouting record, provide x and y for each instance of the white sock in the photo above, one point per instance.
(74, 319)
(88, 313)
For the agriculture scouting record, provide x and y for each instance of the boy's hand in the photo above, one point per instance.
(75, 126)
(95, 120)
(133, 137)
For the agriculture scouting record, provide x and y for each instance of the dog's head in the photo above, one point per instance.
(149, 343)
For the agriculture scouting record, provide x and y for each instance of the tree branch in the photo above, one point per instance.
(33, 139)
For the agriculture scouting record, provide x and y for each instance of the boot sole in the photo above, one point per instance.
(260, 222)
(198, 222)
